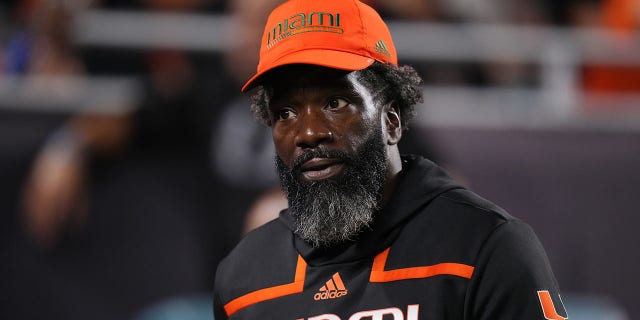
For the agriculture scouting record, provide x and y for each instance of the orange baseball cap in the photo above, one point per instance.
(339, 34)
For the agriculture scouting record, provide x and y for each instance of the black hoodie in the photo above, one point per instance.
(435, 251)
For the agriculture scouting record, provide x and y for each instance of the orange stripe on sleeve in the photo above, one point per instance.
(270, 293)
(378, 274)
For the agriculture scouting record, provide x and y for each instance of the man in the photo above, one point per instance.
(369, 234)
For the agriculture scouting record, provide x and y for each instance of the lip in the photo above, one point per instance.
(321, 168)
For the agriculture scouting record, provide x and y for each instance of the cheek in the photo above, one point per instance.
(283, 143)
(359, 132)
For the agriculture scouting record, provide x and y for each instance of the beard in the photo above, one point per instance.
(336, 210)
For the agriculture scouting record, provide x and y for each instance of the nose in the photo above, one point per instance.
(313, 129)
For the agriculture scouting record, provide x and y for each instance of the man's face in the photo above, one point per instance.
(330, 151)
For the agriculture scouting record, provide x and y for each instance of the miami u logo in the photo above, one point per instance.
(548, 308)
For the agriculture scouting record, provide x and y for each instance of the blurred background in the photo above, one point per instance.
(130, 163)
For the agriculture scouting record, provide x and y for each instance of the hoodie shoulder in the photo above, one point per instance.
(466, 199)
(468, 213)
(453, 226)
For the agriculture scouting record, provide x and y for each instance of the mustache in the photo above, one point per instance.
(320, 152)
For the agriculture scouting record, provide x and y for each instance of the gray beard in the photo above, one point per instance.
(333, 211)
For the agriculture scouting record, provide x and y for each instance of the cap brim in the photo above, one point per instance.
(326, 58)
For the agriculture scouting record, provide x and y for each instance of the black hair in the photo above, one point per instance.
(398, 85)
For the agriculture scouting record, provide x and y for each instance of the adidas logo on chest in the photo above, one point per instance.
(334, 288)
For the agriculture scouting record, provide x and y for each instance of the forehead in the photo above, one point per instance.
(297, 76)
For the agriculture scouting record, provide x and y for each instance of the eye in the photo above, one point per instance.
(283, 114)
(337, 103)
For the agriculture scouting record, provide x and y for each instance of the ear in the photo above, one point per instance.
(391, 123)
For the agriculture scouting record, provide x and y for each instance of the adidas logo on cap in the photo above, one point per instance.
(381, 47)
(334, 288)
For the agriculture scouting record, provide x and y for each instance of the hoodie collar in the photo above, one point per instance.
(420, 182)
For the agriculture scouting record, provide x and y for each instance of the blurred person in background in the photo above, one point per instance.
(622, 19)
(503, 70)
(113, 210)
(241, 149)
(54, 197)
(42, 53)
